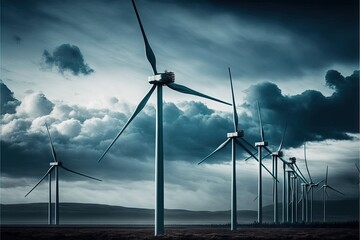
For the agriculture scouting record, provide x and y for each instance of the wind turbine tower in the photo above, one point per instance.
(325, 187)
(233, 137)
(158, 81)
(54, 166)
(275, 156)
(260, 145)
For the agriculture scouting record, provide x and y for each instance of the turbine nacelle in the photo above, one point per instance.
(162, 78)
(261, 144)
(278, 154)
(292, 159)
(56, 164)
(237, 134)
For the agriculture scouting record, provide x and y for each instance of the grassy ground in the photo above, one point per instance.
(206, 232)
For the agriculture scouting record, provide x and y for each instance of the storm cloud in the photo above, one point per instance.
(8, 102)
(67, 57)
(311, 116)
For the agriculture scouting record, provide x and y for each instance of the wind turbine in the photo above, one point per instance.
(54, 166)
(291, 170)
(312, 185)
(158, 80)
(260, 145)
(324, 187)
(294, 191)
(233, 137)
(275, 156)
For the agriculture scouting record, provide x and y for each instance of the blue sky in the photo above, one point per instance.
(81, 67)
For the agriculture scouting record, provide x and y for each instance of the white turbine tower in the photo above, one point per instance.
(325, 194)
(233, 137)
(158, 80)
(54, 166)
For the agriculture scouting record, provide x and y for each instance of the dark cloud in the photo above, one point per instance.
(191, 129)
(337, 37)
(67, 57)
(288, 38)
(8, 102)
(311, 115)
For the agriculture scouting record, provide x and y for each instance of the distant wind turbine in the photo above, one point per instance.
(260, 145)
(311, 187)
(275, 156)
(158, 80)
(233, 137)
(55, 166)
(325, 194)
(291, 170)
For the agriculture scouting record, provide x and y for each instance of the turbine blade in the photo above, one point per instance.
(319, 182)
(235, 116)
(357, 167)
(247, 150)
(255, 198)
(302, 175)
(149, 52)
(51, 143)
(307, 168)
(282, 160)
(81, 174)
(260, 122)
(48, 171)
(282, 139)
(327, 168)
(137, 110)
(267, 150)
(186, 90)
(247, 143)
(326, 193)
(249, 156)
(216, 150)
(256, 153)
(264, 157)
(335, 190)
(320, 188)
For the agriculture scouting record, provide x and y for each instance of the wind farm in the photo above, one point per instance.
(73, 78)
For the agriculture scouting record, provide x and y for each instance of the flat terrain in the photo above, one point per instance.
(114, 233)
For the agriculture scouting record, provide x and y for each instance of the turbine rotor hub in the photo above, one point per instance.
(162, 78)
(293, 159)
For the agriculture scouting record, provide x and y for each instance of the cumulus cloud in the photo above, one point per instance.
(35, 105)
(67, 57)
(7, 101)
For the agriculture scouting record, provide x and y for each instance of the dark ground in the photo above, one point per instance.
(206, 232)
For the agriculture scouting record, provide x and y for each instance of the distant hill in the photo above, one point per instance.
(82, 213)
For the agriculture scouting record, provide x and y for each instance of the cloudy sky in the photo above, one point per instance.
(80, 66)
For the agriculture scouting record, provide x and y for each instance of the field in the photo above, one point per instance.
(194, 232)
